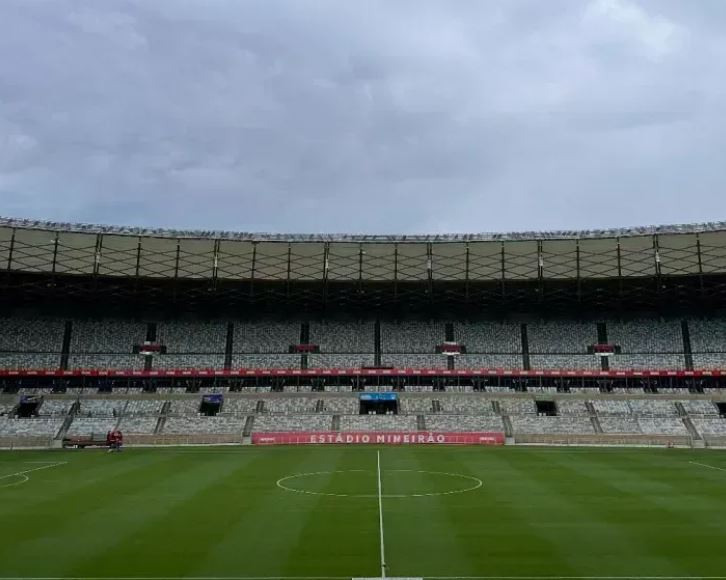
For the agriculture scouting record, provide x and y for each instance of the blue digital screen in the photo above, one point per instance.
(378, 396)
(213, 399)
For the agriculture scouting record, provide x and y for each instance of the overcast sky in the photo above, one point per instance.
(364, 116)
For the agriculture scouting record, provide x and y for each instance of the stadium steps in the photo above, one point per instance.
(596, 424)
(420, 422)
(335, 425)
(72, 412)
(594, 419)
(436, 406)
(691, 428)
(508, 429)
(320, 406)
(161, 421)
(249, 424)
(497, 409)
(260, 407)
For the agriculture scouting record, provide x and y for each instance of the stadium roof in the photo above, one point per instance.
(281, 237)
(81, 249)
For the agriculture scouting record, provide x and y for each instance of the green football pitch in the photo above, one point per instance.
(333, 512)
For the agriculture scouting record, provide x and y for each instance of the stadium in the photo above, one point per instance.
(532, 405)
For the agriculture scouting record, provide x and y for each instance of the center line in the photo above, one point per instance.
(380, 517)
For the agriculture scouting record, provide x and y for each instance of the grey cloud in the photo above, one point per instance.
(375, 116)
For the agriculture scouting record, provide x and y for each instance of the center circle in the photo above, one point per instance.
(401, 483)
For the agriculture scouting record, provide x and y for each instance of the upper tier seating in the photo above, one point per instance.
(709, 361)
(31, 335)
(489, 337)
(189, 361)
(266, 361)
(106, 361)
(647, 344)
(561, 337)
(265, 337)
(106, 336)
(193, 337)
(564, 361)
(488, 361)
(708, 335)
(647, 361)
(26, 361)
(414, 361)
(344, 361)
(411, 337)
(354, 337)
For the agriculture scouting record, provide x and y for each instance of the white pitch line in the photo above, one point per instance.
(23, 473)
(709, 466)
(380, 517)
(349, 578)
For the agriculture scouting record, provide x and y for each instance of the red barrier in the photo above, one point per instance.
(378, 438)
(358, 372)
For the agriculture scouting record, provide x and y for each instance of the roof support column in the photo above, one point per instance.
(11, 250)
(466, 275)
(326, 256)
(700, 264)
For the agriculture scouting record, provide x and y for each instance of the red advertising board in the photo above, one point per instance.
(378, 438)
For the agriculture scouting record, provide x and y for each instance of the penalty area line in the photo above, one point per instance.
(24, 473)
(706, 465)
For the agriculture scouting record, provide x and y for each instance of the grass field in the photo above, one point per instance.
(219, 512)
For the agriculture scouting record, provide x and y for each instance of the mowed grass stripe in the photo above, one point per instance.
(599, 518)
(273, 537)
(186, 513)
(422, 533)
(101, 516)
(339, 535)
